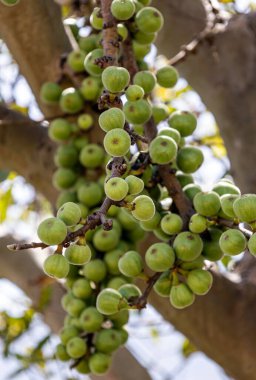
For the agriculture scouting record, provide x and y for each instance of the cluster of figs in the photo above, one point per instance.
(100, 266)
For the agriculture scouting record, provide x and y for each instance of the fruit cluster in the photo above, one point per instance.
(113, 194)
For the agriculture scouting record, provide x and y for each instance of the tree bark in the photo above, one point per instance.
(35, 35)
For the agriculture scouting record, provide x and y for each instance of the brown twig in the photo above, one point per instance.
(110, 36)
(141, 302)
(212, 19)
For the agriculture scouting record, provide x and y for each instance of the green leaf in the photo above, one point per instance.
(6, 200)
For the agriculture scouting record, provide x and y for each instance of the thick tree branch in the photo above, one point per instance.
(26, 149)
(35, 36)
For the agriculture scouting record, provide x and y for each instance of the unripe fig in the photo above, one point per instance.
(120, 319)
(99, 363)
(163, 285)
(144, 208)
(89, 63)
(90, 88)
(117, 142)
(71, 101)
(115, 79)
(191, 190)
(80, 142)
(129, 291)
(167, 76)
(111, 259)
(198, 263)
(68, 333)
(69, 213)
(135, 184)
(146, 80)
(65, 196)
(59, 130)
(111, 119)
(89, 194)
(107, 341)
(95, 270)
(116, 188)
(105, 240)
(184, 121)
(211, 249)
(126, 219)
(131, 264)
(162, 150)
(88, 43)
(116, 282)
(207, 204)
(83, 367)
(199, 281)
(91, 156)
(91, 320)
(64, 178)
(227, 202)
(56, 266)
(184, 179)
(149, 20)
(122, 31)
(85, 121)
(171, 132)
(224, 187)
(245, 208)
(110, 301)
(78, 254)
(144, 38)
(74, 307)
(76, 348)
(96, 19)
(140, 51)
(10, 3)
(160, 113)
(197, 223)
(138, 112)
(232, 242)
(171, 223)
(122, 9)
(181, 296)
(81, 288)
(189, 159)
(61, 352)
(151, 224)
(160, 257)
(66, 156)
(252, 244)
(52, 231)
(187, 246)
(134, 92)
(75, 61)
(50, 92)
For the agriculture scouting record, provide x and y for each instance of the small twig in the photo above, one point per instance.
(141, 302)
(211, 21)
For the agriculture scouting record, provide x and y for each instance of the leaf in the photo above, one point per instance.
(6, 200)
(188, 348)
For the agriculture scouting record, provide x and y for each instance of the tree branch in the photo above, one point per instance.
(36, 41)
